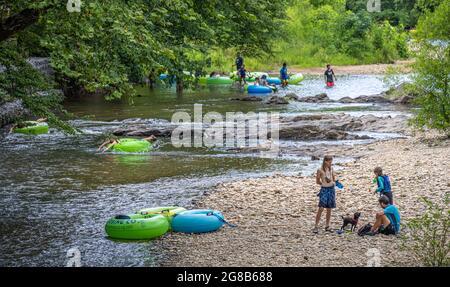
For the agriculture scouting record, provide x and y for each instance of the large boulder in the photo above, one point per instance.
(12, 111)
(312, 132)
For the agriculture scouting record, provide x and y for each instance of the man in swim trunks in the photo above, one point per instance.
(284, 76)
(242, 74)
(387, 221)
(330, 77)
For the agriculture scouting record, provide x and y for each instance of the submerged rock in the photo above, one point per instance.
(320, 98)
(314, 132)
(338, 126)
(292, 96)
(142, 132)
(248, 99)
(275, 100)
(365, 99)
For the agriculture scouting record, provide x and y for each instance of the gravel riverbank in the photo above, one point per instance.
(275, 215)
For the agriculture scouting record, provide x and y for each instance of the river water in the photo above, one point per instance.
(57, 192)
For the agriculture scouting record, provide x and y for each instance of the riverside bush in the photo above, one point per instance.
(427, 236)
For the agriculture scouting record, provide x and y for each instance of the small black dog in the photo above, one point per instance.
(349, 220)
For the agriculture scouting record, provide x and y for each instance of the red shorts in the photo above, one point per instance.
(330, 84)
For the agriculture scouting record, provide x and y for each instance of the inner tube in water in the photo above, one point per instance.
(216, 80)
(296, 79)
(167, 211)
(251, 77)
(33, 128)
(273, 81)
(254, 89)
(197, 221)
(132, 145)
(137, 226)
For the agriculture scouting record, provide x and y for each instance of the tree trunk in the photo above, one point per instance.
(180, 86)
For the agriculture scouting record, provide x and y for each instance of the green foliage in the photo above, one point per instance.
(433, 69)
(19, 80)
(110, 44)
(317, 32)
(404, 13)
(427, 236)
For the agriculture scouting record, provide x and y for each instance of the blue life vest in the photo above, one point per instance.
(387, 183)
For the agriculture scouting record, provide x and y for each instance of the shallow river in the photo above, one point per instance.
(57, 192)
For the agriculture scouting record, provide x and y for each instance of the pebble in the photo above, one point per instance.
(275, 215)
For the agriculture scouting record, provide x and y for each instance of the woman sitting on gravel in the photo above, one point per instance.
(326, 178)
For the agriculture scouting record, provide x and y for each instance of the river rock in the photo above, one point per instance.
(365, 99)
(312, 132)
(404, 100)
(292, 96)
(11, 111)
(346, 100)
(142, 132)
(320, 98)
(275, 100)
(248, 99)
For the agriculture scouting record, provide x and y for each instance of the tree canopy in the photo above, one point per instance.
(109, 44)
(433, 68)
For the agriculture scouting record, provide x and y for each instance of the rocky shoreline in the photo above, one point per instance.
(275, 215)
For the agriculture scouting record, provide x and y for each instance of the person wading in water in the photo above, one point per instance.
(239, 61)
(330, 77)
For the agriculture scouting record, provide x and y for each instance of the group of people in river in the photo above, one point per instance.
(242, 74)
(387, 220)
(330, 76)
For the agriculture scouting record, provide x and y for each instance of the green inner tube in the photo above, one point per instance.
(167, 211)
(137, 226)
(216, 81)
(296, 79)
(132, 145)
(33, 128)
(251, 77)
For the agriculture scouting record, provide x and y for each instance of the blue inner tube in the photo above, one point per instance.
(253, 89)
(274, 81)
(197, 221)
